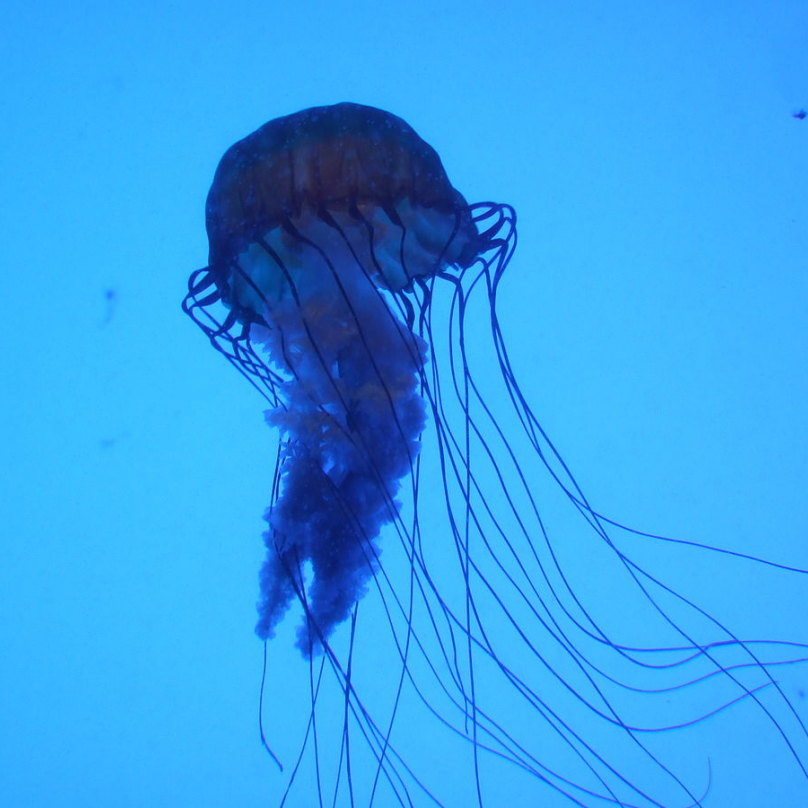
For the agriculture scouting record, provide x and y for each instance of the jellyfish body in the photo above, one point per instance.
(359, 295)
(309, 219)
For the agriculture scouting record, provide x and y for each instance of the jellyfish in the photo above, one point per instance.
(356, 289)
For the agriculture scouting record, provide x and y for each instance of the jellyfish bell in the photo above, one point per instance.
(357, 290)
(347, 168)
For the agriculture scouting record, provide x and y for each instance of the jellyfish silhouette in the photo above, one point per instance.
(356, 289)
